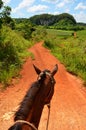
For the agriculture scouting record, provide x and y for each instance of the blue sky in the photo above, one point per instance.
(28, 8)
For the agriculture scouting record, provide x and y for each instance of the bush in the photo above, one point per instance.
(13, 50)
(39, 34)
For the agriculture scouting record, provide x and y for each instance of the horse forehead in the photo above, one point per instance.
(47, 71)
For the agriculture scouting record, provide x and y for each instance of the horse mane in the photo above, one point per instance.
(27, 103)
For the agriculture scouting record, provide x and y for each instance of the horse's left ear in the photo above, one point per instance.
(38, 71)
(54, 70)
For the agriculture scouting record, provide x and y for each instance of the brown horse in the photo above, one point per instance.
(40, 93)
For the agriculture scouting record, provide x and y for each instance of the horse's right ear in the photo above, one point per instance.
(55, 69)
(38, 71)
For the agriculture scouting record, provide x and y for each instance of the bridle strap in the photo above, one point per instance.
(26, 122)
(48, 105)
(47, 73)
(33, 126)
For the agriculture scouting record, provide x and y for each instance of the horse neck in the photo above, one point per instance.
(34, 107)
(35, 115)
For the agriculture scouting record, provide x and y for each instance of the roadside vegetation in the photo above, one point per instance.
(57, 32)
(69, 49)
(14, 44)
(13, 52)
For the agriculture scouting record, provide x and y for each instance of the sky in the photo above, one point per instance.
(28, 8)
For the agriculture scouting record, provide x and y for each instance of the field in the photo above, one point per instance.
(69, 49)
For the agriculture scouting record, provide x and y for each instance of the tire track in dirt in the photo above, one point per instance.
(68, 106)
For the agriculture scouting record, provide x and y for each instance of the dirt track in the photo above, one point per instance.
(68, 106)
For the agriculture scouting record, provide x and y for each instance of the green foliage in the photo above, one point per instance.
(48, 44)
(69, 50)
(39, 34)
(62, 21)
(48, 19)
(67, 18)
(1, 4)
(5, 18)
(43, 19)
(6, 11)
(24, 27)
(13, 50)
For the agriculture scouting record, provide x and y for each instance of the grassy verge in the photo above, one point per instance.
(13, 51)
(70, 50)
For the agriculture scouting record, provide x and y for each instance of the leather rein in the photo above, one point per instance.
(32, 125)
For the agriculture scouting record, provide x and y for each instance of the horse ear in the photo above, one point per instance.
(38, 71)
(54, 70)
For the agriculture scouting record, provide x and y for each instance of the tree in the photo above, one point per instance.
(6, 11)
(1, 4)
(5, 17)
(25, 27)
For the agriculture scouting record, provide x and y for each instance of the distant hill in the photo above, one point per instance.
(48, 19)
(62, 21)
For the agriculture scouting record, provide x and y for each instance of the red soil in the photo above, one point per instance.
(68, 106)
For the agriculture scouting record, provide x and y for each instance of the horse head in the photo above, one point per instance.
(49, 81)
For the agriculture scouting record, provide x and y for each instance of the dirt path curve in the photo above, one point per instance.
(68, 106)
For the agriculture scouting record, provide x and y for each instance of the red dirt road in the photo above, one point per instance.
(68, 106)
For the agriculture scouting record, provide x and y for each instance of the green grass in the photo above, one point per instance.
(13, 52)
(39, 34)
(69, 50)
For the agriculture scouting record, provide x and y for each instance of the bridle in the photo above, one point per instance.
(32, 125)
(48, 105)
(53, 82)
(46, 73)
(27, 123)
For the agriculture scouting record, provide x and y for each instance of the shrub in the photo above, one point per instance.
(13, 50)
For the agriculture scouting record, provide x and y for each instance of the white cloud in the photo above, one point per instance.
(37, 8)
(26, 3)
(80, 6)
(80, 17)
(23, 4)
(6, 1)
(53, 1)
(67, 10)
(68, 1)
(56, 13)
(60, 5)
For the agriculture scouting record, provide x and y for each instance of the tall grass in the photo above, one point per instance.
(13, 51)
(69, 50)
(39, 34)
